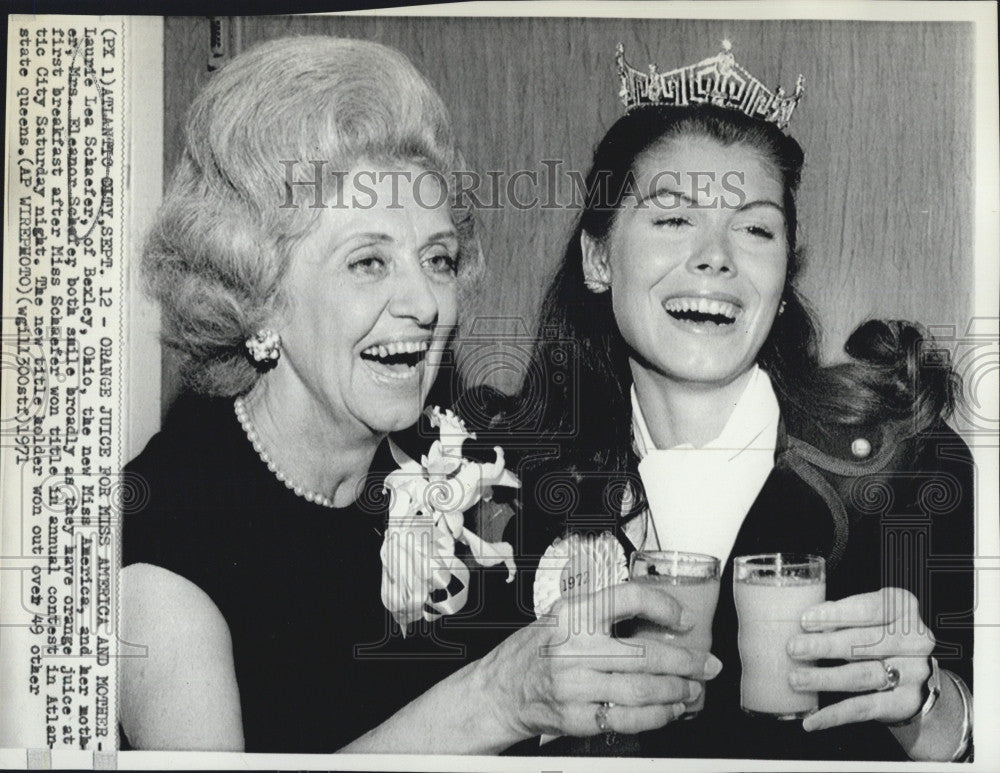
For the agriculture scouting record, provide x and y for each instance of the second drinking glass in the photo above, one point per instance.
(772, 590)
(693, 579)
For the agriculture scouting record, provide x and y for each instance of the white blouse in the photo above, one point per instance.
(698, 497)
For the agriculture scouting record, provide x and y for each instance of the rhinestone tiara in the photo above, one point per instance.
(718, 80)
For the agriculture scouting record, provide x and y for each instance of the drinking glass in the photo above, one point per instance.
(772, 590)
(693, 579)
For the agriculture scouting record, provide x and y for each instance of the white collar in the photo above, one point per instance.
(697, 498)
(756, 411)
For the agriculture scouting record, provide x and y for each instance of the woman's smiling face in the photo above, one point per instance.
(696, 259)
(373, 298)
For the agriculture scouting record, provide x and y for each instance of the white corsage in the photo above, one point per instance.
(421, 575)
(576, 565)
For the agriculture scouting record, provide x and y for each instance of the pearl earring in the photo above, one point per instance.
(596, 285)
(264, 347)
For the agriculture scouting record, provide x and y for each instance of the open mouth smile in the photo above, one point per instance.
(397, 360)
(702, 311)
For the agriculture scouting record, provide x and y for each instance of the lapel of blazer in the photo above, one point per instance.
(796, 511)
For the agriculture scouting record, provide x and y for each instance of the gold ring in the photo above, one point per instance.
(601, 716)
(891, 678)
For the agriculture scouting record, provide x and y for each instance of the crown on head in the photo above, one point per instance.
(718, 80)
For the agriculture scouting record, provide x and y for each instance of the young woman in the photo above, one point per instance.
(678, 289)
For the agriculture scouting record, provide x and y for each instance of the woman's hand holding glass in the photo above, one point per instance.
(557, 676)
(876, 633)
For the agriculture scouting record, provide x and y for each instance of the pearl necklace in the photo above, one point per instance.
(251, 433)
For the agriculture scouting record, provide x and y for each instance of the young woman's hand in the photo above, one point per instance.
(877, 634)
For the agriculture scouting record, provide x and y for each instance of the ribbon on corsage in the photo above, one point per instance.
(421, 575)
(575, 565)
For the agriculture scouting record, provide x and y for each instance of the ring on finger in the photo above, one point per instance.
(891, 678)
(601, 716)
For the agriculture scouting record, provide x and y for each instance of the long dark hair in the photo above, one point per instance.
(589, 417)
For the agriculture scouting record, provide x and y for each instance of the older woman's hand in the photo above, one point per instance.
(872, 632)
(552, 677)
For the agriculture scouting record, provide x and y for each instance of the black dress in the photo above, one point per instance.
(318, 659)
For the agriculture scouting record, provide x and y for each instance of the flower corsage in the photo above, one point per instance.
(421, 575)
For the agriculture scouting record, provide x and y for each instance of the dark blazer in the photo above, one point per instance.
(902, 516)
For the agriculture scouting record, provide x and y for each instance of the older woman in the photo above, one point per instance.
(678, 288)
(310, 270)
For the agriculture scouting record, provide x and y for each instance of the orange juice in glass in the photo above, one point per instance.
(692, 579)
(772, 591)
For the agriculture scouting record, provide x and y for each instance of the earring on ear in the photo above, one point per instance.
(781, 308)
(264, 347)
(596, 285)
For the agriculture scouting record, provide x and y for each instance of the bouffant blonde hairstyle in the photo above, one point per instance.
(217, 254)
